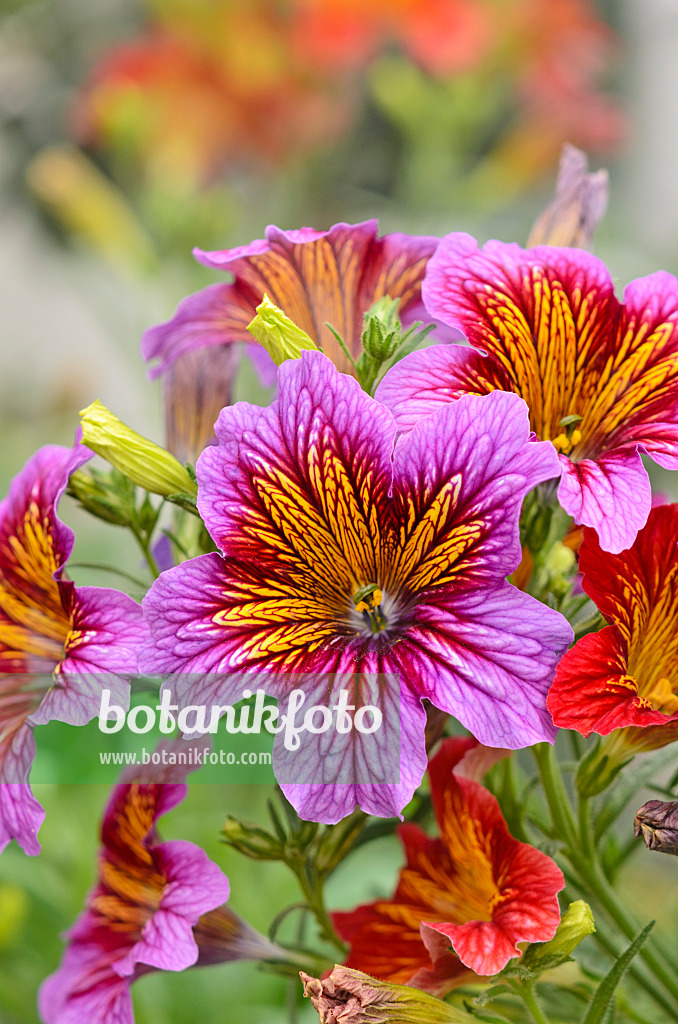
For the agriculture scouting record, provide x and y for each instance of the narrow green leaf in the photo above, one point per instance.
(599, 1007)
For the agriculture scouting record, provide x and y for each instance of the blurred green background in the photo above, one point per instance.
(132, 131)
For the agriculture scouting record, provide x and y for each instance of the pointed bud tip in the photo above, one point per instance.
(278, 334)
(144, 462)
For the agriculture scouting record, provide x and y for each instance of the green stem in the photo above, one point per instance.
(144, 544)
(587, 867)
(594, 880)
(638, 971)
(313, 893)
(528, 997)
(556, 794)
(585, 830)
(101, 567)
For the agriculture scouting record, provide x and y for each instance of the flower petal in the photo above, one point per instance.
(311, 469)
(85, 989)
(612, 495)
(459, 481)
(488, 658)
(315, 277)
(608, 678)
(20, 813)
(107, 628)
(425, 381)
(544, 314)
(333, 772)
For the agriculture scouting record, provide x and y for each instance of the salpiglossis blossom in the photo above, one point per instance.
(600, 378)
(625, 677)
(56, 639)
(314, 277)
(474, 888)
(312, 507)
(156, 906)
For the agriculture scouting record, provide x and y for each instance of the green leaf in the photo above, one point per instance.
(599, 1008)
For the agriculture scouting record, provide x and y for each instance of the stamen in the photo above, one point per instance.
(662, 698)
(367, 601)
(570, 436)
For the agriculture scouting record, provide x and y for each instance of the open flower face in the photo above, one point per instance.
(56, 639)
(156, 905)
(600, 378)
(315, 277)
(626, 676)
(342, 557)
(475, 889)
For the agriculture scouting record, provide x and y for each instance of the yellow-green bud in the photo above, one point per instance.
(560, 559)
(575, 924)
(351, 997)
(145, 463)
(279, 335)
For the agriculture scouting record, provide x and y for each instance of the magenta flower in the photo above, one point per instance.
(156, 906)
(600, 378)
(315, 277)
(312, 507)
(56, 639)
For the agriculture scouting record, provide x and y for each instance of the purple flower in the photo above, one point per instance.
(315, 277)
(156, 906)
(600, 378)
(342, 557)
(56, 639)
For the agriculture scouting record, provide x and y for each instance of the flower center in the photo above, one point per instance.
(570, 435)
(367, 601)
(662, 698)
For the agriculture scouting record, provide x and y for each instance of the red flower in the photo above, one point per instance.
(475, 889)
(626, 675)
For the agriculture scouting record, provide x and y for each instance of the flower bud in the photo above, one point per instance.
(580, 202)
(279, 335)
(351, 997)
(252, 841)
(145, 463)
(98, 495)
(575, 924)
(657, 823)
(382, 329)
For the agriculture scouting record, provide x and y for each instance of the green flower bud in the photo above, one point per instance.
(575, 924)
(279, 335)
(560, 559)
(145, 463)
(252, 841)
(351, 997)
(99, 496)
(382, 329)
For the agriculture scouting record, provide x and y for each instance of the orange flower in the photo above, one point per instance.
(475, 889)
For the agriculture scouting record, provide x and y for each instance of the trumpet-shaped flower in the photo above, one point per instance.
(341, 556)
(156, 906)
(625, 677)
(474, 888)
(600, 378)
(56, 639)
(314, 277)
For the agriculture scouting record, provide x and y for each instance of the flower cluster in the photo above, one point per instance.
(349, 545)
